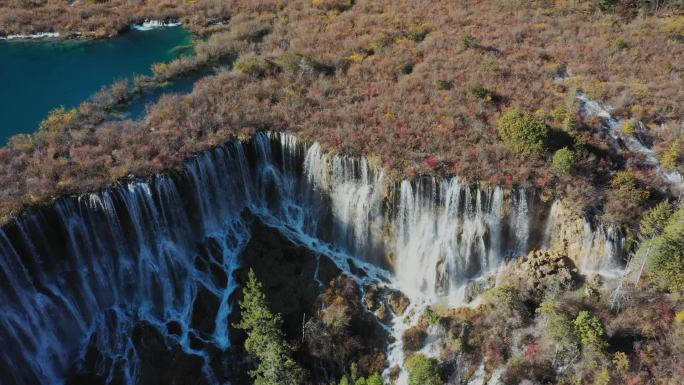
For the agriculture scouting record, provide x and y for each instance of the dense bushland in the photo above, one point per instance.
(420, 86)
(662, 251)
(546, 324)
(106, 18)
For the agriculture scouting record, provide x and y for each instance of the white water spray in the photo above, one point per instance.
(85, 271)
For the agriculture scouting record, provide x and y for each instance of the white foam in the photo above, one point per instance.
(612, 127)
(39, 35)
(148, 25)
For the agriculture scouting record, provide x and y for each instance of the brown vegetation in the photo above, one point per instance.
(342, 331)
(418, 84)
(563, 335)
(106, 18)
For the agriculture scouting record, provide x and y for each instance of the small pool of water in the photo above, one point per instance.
(36, 77)
(138, 106)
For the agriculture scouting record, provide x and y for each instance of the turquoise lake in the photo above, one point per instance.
(37, 76)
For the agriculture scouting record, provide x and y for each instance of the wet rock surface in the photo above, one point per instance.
(161, 361)
(478, 286)
(291, 275)
(385, 302)
(323, 315)
(398, 301)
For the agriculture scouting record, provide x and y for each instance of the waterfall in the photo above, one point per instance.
(611, 126)
(522, 221)
(126, 252)
(82, 273)
(551, 223)
(449, 231)
(149, 25)
(356, 194)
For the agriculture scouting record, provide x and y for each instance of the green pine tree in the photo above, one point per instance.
(592, 337)
(666, 263)
(265, 339)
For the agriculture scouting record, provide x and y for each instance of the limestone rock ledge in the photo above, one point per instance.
(591, 246)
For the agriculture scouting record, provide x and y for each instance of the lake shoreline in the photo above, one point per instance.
(78, 68)
(147, 25)
(102, 21)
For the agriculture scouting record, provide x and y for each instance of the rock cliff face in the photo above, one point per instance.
(593, 248)
(322, 310)
(84, 274)
(293, 276)
(294, 279)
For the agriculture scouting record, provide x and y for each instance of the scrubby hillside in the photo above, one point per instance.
(105, 18)
(420, 86)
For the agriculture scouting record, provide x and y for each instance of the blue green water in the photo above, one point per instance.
(138, 106)
(36, 77)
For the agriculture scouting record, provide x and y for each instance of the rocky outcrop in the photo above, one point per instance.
(589, 246)
(548, 269)
(478, 286)
(542, 271)
(385, 302)
(292, 275)
(344, 332)
(414, 337)
(324, 317)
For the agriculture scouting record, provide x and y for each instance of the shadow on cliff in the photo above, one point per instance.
(322, 310)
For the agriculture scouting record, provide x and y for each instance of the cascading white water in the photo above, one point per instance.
(612, 126)
(137, 253)
(445, 233)
(356, 194)
(522, 222)
(149, 25)
(439, 234)
(85, 271)
(594, 248)
(126, 251)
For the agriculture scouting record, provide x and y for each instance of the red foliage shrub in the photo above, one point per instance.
(532, 350)
(432, 162)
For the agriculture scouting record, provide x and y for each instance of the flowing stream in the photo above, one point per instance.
(82, 272)
(612, 126)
